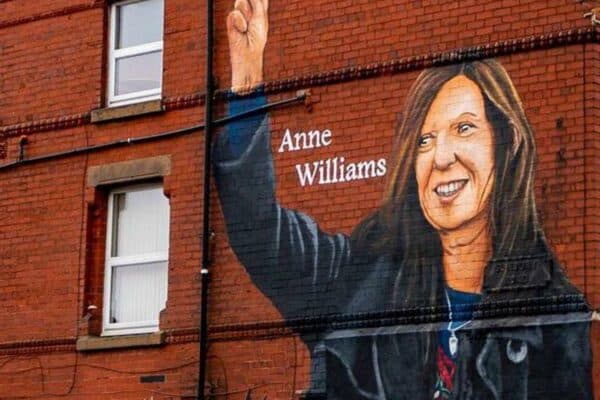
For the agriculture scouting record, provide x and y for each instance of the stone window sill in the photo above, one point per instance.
(132, 110)
(94, 343)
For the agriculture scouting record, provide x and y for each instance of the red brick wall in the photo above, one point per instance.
(52, 71)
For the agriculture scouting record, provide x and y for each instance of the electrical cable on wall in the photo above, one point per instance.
(100, 367)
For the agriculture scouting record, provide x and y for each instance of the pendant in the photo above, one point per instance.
(453, 344)
(516, 356)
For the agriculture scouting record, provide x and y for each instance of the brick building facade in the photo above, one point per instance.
(68, 148)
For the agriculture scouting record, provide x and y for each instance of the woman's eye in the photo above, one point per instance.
(425, 140)
(465, 128)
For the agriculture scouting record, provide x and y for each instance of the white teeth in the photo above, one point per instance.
(449, 189)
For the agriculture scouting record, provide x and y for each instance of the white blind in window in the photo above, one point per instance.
(138, 292)
(142, 223)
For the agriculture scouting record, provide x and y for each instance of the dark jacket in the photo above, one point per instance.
(307, 273)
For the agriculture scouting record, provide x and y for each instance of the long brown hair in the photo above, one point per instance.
(400, 225)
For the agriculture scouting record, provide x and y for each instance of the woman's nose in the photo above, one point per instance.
(445, 152)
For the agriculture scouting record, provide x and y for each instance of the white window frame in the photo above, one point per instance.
(114, 55)
(126, 328)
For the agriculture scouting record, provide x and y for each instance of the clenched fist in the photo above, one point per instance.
(247, 29)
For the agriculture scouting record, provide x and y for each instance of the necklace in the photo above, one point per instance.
(453, 340)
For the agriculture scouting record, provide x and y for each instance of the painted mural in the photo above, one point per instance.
(453, 262)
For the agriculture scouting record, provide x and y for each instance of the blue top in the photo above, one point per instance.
(241, 130)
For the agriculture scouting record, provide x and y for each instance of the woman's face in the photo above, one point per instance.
(455, 162)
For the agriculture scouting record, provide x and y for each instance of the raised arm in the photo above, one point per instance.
(287, 256)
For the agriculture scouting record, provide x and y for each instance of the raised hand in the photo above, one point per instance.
(247, 29)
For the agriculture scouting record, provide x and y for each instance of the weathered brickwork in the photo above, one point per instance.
(53, 221)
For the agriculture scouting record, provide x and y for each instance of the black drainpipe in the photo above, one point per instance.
(206, 231)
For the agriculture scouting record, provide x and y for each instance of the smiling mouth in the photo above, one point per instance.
(449, 189)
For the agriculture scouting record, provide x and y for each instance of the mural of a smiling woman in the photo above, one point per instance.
(455, 241)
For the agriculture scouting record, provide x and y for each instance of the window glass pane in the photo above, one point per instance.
(139, 292)
(137, 73)
(142, 222)
(139, 23)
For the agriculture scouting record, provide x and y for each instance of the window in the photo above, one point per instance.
(137, 248)
(136, 51)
